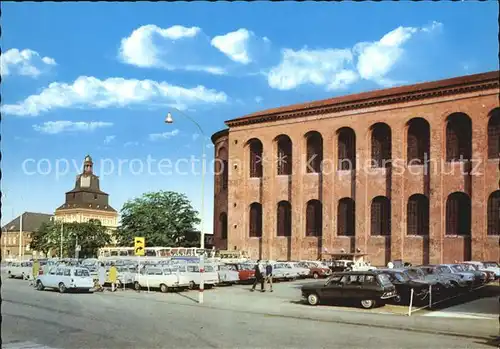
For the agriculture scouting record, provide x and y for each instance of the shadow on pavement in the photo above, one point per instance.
(181, 294)
(493, 342)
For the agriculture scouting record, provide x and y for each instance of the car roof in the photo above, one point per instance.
(357, 272)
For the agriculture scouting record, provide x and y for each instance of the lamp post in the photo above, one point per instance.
(170, 120)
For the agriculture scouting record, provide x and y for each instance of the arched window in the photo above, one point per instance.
(255, 220)
(345, 217)
(381, 145)
(314, 152)
(381, 216)
(223, 225)
(284, 219)
(458, 214)
(346, 149)
(418, 143)
(284, 156)
(314, 218)
(494, 213)
(494, 134)
(417, 215)
(255, 158)
(458, 137)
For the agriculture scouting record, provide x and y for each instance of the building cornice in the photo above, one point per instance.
(396, 95)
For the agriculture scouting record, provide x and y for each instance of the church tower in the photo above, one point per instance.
(87, 201)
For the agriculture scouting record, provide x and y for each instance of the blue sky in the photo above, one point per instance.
(99, 78)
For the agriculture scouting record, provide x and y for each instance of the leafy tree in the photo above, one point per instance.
(40, 238)
(163, 218)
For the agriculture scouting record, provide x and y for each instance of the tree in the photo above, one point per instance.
(89, 235)
(163, 218)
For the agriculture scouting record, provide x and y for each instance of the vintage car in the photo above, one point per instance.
(480, 278)
(192, 273)
(401, 279)
(246, 272)
(349, 265)
(317, 269)
(367, 288)
(487, 266)
(126, 274)
(282, 271)
(487, 274)
(163, 278)
(228, 274)
(21, 270)
(440, 283)
(467, 278)
(445, 274)
(65, 278)
(301, 271)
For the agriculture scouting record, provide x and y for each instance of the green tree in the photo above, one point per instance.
(163, 218)
(40, 238)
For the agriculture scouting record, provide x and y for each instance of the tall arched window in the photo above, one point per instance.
(255, 220)
(284, 219)
(381, 145)
(256, 149)
(314, 152)
(381, 216)
(494, 134)
(345, 217)
(314, 218)
(223, 225)
(284, 156)
(417, 215)
(458, 137)
(346, 149)
(494, 213)
(418, 142)
(458, 214)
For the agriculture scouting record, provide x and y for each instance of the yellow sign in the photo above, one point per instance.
(139, 246)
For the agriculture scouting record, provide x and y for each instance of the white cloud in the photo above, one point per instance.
(163, 136)
(26, 62)
(234, 45)
(109, 139)
(91, 92)
(130, 144)
(150, 46)
(55, 127)
(338, 68)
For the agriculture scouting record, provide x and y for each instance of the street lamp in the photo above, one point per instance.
(170, 120)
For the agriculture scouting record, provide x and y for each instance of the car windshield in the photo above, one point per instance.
(490, 264)
(415, 273)
(456, 268)
(469, 267)
(82, 272)
(401, 277)
(384, 279)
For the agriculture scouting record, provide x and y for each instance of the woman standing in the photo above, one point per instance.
(113, 275)
(102, 277)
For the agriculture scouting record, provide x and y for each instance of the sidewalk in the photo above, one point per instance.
(280, 304)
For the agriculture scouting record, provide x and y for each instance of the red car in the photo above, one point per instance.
(246, 271)
(318, 270)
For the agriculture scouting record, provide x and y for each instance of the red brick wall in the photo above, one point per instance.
(333, 185)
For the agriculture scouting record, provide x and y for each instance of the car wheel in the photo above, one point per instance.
(313, 299)
(62, 287)
(192, 285)
(315, 275)
(163, 288)
(39, 286)
(367, 303)
(137, 286)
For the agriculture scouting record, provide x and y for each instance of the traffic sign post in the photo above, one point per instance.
(139, 246)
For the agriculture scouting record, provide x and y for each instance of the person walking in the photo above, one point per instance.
(113, 275)
(269, 276)
(101, 274)
(259, 277)
(35, 272)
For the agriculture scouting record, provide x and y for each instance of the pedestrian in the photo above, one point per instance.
(113, 275)
(259, 277)
(269, 276)
(35, 272)
(101, 274)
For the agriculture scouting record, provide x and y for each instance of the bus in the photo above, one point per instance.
(106, 252)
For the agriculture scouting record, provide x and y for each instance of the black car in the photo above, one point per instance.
(367, 288)
(403, 282)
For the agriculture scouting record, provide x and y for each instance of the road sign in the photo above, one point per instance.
(78, 248)
(139, 245)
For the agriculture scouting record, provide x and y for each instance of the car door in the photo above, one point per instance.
(352, 287)
(49, 279)
(334, 288)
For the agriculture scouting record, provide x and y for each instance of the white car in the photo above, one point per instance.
(20, 270)
(192, 272)
(126, 274)
(302, 271)
(162, 278)
(66, 278)
(282, 271)
(486, 266)
(227, 274)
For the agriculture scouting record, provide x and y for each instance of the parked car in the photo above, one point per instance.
(440, 283)
(401, 279)
(228, 274)
(192, 273)
(126, 274)
(467, 278)
(301, 271)
(65, 278)
(480, 278)
(282, 271)
(367, 288)
(163, 278)
(246, 272)
(317, 269)
(487, 266)
(488, 275)
(21, 270)
(445, 274)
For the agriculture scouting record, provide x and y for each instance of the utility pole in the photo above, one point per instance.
(62, 231)
(21, 236)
